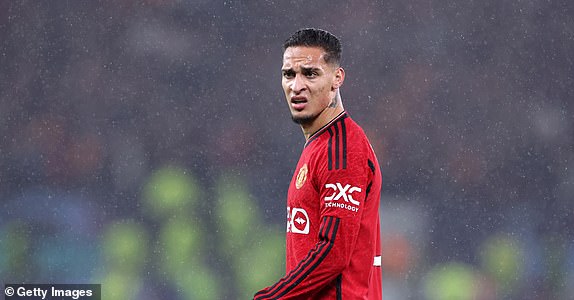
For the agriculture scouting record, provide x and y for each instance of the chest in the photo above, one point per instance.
(303, 204)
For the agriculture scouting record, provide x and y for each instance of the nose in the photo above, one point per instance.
(298, 84)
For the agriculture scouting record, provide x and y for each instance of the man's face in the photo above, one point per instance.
(308, 81)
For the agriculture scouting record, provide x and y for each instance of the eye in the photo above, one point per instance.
(311, 73)
(288, 74)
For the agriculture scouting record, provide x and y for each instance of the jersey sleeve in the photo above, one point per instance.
(342, 186)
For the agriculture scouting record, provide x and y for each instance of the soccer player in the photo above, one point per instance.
(333, 236)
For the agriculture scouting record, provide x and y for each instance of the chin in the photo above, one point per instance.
(303, 119)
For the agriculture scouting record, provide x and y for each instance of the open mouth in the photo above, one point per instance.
(298, 103)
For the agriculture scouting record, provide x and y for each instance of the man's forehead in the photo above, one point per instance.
(303, 56)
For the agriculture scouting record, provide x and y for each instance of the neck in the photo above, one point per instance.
(327, 115)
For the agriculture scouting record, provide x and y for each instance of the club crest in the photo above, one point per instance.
(301, 177)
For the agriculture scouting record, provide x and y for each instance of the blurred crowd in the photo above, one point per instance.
(147, 146)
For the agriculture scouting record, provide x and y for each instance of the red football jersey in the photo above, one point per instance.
(333, 232)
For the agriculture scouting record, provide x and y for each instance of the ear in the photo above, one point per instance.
(338, 78)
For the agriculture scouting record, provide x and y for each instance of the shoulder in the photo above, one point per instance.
(340, 145)
(352, 138)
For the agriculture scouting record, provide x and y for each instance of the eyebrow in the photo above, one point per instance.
(310, 69)
(303, 69)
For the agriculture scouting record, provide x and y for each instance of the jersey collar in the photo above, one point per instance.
(317, 133)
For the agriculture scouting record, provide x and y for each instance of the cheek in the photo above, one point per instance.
(285, 84)
(324, 90)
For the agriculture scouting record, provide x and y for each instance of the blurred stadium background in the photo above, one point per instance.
(146, 145)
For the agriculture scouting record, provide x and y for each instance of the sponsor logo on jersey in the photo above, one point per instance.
(342, 196)
(301, 176)
(297, 220)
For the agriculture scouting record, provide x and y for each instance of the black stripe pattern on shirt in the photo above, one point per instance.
(337, 145)
(313, 259)
(322, 130)
(339, 287)
(372, 167)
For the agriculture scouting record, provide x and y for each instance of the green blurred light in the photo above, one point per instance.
(170, 191)
(199, 283)
(15, 247)
(451, 281)
(262, 263)
(238, 214)
(502, 259)
(125, 246)
(180, 245)
(117, 285)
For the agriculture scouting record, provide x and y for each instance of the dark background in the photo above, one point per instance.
(147, 146)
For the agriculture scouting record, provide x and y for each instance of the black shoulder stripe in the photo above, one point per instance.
(329, 149)
(337, 145)
(344, 133)
(336, 128)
